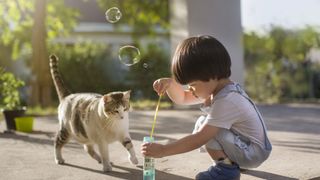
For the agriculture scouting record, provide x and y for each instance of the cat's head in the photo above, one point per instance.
(116, 104)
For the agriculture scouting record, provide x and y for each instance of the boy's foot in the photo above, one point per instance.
(220, 171)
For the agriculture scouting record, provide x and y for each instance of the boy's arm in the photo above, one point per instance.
(180, 96)
(188, 143)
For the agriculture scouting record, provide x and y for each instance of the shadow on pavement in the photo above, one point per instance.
(132, 174)
(301, 145)
(83, 168)
(316, 178)
(36, 140)
(285, 118)
(266, 175)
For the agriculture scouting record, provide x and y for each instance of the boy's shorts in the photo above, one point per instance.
(239, 149)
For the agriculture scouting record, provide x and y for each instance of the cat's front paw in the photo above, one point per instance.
(107, 167)
(133, 160)
(59, 161)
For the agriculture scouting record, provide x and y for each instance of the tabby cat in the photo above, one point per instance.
(91, 119)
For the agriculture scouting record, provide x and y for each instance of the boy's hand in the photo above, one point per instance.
(161, 85)
(152, 150)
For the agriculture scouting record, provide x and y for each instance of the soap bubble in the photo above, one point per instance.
(129, 55)
(113, 15)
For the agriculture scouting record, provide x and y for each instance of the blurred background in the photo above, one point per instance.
(274, 47)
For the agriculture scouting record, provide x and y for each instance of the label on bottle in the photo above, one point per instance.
(148, 163)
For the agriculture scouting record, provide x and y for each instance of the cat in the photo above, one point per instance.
(91, 119)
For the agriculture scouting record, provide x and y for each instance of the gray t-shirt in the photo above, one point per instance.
(235, 112)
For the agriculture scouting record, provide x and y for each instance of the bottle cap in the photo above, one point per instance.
(148, 139)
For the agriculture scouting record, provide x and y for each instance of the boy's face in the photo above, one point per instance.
(203, 89)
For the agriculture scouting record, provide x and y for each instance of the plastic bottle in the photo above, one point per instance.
(148, 163)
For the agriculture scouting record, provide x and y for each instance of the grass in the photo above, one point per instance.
(137, 105)
(40, 111)
(150, 104)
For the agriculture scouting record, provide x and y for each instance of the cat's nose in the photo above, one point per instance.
(121, 117)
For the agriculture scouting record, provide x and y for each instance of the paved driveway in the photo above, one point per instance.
(294, 131)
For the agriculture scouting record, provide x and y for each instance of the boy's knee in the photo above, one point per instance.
(225, 136)
(213, 144)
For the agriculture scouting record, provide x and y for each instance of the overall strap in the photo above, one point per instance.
(235, 87)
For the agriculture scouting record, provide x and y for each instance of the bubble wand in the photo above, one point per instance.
(155, 116)
(148, 164)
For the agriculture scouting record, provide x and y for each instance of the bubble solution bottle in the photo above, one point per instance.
(148, 163)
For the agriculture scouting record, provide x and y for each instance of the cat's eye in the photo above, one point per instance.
(116, 111)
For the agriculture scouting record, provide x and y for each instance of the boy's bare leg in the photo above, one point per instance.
(216, 154)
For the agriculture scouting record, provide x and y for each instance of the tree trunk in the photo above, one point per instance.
(41, 83)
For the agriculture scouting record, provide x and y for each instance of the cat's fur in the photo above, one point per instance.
(91, 119)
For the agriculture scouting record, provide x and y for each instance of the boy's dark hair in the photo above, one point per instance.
(200, 58)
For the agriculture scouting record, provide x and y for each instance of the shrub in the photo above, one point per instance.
(9, 90)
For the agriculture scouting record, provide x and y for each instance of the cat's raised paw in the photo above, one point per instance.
(59, 161)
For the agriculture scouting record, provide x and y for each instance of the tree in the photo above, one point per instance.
(41, 85)
(29, 26)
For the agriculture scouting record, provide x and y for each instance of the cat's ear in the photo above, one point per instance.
(107, 98)
(126, 94)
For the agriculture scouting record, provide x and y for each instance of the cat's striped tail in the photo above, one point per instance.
(61, 89)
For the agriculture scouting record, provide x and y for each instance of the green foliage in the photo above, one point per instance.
(41, 111)
(276, 64)
(150, 104)
(9, 90)
(88, 67)
(145, 17)
(17, 22)
(153, 65)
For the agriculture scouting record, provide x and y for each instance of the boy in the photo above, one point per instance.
(233, 131)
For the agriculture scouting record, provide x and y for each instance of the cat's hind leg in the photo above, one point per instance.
(126, 142)
(61, 139)
(90, 150)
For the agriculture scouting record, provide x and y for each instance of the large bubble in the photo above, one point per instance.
(113, 15)
(129, 55)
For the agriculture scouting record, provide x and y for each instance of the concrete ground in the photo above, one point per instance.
(294, 131)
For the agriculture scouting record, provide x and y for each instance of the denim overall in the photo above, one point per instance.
(240, 149)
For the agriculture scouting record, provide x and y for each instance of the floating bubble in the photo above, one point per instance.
(145, 65)
(129, 55)
(113, 15)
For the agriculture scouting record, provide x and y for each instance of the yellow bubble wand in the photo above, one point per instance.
(155, 116)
